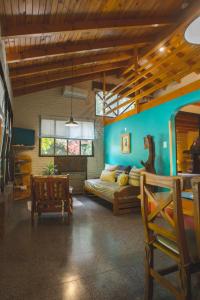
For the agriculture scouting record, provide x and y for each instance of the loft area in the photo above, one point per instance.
(99, 149)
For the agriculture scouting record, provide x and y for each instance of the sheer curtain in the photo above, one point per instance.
(57, 129)
(47, 128)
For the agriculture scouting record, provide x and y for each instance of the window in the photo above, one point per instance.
(56, 139)
(100, 108)
(47, 146)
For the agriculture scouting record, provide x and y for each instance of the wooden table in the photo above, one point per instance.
(187, 202)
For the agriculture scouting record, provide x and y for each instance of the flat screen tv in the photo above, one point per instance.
(22, 136)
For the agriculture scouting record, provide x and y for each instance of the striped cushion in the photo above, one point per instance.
(134, 176)
(109, 167)
(122, 169)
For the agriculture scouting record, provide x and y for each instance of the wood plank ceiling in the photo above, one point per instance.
(51, 43)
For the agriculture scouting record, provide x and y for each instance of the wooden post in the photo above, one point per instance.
(104, 92)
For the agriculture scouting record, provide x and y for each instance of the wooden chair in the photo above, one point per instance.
(165, 232)
(51, 194)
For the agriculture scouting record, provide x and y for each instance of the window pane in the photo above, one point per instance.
(87, 129)
(73, 147)
(99, 104)
(61, 147)
(57, 129)
(61, 129)
(47, 128)
(47, 146)
(86, 147)
(126, 107)
(75, 132)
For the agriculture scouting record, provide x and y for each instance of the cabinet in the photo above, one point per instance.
(22, 176)
(76, 180)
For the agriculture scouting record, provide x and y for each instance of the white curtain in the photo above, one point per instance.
(47, 128)
(57, 129)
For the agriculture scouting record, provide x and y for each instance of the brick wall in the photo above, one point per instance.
(51, 103)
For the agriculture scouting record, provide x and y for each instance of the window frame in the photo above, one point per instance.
(67, 155)
(96, 108)
(107, 116)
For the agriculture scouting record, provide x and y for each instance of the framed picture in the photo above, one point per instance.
(125, 143)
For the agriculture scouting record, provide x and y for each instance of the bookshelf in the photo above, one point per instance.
(22, 176)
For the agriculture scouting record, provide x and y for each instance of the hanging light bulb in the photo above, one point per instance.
(71, 122)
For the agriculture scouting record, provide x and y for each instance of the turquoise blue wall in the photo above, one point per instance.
(155, 122)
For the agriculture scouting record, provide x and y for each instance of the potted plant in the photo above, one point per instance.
(50, 169)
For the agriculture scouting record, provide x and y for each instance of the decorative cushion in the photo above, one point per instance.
(122, 179)
(108, 176)
(134, 176)
(122, 169)
(109, 167)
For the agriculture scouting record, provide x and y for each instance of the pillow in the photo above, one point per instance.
(134, 176)
(122, 179)
(108, 176)
(109, 167)
(122, 169)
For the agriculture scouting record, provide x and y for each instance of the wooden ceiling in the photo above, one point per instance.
(51, 43)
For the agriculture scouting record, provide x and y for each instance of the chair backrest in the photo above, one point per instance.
(50, 188)
(196, 194)
(165, 217)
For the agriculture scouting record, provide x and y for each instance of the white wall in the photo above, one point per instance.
(28, 108)
(177, 85)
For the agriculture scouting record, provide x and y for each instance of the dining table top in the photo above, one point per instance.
(187, 201)
(187, 195)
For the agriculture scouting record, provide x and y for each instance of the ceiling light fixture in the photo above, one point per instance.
(162, 49)
(192, 32)
(71, 122)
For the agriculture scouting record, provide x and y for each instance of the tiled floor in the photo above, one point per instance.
(98, 256)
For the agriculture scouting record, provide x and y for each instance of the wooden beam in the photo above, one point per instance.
(27, 71)
(61, 77)
(41, 26)
(165, 81)
(154, 68)
(157, 101)
(144, 70)
(18, 83)
(185, 18)
(35, 52)
(50, 85)
(98, 85)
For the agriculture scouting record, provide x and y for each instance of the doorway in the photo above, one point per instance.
(187, 127)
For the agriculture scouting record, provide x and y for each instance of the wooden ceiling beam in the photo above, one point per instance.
(22, 72)
(165, 81)
(151, 64)
(154, 69)
(41, 27)
(35, 52)
(182, 21)
(49, 85)
(62, 76)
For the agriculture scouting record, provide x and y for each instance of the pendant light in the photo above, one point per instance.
(71, 122)
(192, 32)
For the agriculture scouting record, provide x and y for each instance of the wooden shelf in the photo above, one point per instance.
(24, 161)
(22, 174)
(21, 188)
(23, 147)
